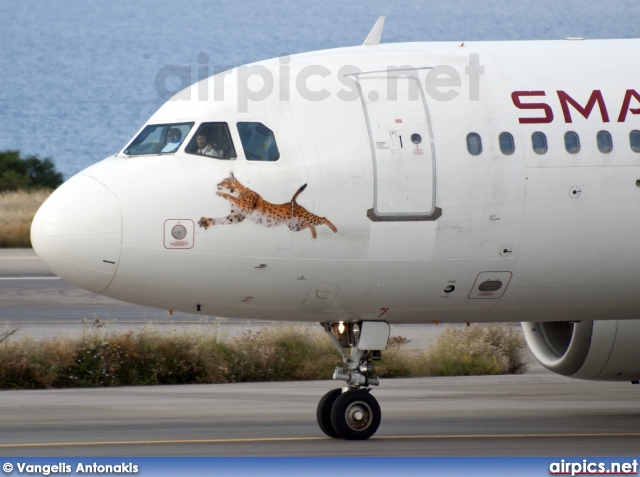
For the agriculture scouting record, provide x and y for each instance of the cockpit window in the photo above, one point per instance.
(258, 142)
(213, 140)
(159, 139)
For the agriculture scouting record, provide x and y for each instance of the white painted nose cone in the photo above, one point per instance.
(77, 233)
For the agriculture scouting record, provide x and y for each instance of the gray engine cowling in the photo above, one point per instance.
(592, 350)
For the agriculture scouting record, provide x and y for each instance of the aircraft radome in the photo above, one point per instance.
(382, 184)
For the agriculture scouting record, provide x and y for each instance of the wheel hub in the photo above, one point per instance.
(358, 416)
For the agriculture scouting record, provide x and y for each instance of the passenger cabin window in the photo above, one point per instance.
(539, 143)
(258, 142)
(506, 143)
(634, 139)
(212, 140)
(159, 139)
(605, 143)
(474, 144)
(572, 142)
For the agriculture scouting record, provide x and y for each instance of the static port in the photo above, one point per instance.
(449, 289)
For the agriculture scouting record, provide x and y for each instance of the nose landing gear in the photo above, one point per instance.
(351, 412)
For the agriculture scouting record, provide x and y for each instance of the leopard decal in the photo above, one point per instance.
(248, 203)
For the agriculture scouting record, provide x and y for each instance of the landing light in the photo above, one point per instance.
(341, 327)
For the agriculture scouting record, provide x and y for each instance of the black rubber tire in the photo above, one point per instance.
(323, 414)
(344, 414)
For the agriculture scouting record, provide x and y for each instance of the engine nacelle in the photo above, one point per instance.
(592, 350)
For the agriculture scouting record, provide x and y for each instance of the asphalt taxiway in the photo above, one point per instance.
(537, 414)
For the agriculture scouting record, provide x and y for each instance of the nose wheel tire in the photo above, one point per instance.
(324, 412)
(355, 415)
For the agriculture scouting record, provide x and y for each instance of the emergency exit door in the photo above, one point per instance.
(401, 146)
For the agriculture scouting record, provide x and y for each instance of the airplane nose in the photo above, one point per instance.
(77, 233)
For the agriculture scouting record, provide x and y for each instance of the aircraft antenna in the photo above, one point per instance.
(374, 35)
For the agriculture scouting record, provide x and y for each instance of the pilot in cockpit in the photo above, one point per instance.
(205, 148)
(174, 137)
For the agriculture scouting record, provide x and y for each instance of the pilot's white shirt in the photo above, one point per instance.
(208, 150)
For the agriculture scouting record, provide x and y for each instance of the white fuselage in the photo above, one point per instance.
(420, 227)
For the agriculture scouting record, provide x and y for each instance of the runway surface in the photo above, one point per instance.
(527, 415)
(533, 414)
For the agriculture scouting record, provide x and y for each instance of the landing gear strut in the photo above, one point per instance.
(352, 412)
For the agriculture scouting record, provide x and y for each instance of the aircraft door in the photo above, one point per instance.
(402, 147)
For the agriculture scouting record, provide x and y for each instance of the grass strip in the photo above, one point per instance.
(17, 210)
(149, 356)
